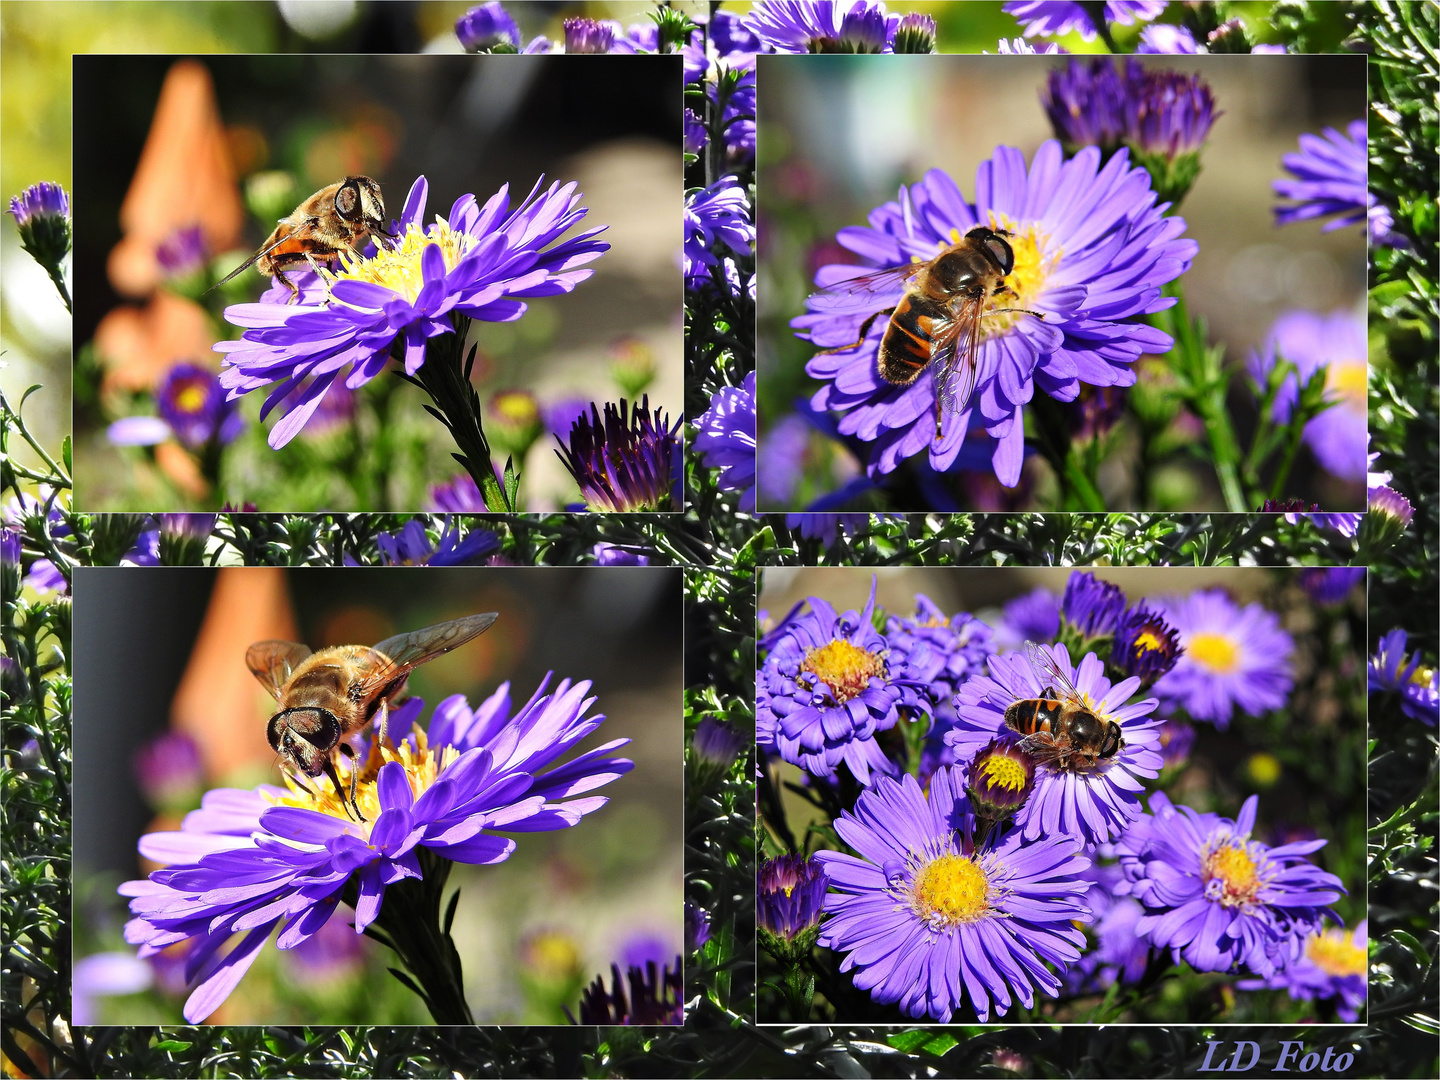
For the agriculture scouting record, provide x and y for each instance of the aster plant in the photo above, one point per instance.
(413, 301)
(249, 862)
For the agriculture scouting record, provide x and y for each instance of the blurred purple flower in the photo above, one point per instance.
(1330, 175)
(1335, 343)
(458, 496)
(1051, 18)
(182, 252)
(1332, 964)
(193, 408)
(726, 440)
(783, 450)
(169, 770)
(412, 547)
(697, 927)
(105, 974)
(486, 26)
(1032, 617)
(1417, 683)
(1330, 585)
(606, 554)
(656, 997)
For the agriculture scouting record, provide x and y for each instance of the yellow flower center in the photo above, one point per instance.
(1216, 653)
(191, 399)
(1349, 380)
(949, 890)
(847, 669)
(1003, 772)
(552, 955)
(1146, 641)
(1335, 954)
(1230, 874)
(397, 266)
(516, 407)
(1422, 676)
(422, 767)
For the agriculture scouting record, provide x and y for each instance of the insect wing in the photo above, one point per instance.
(295, 236)
(273, 662)
(957, 359)
(843, 292)
(1049, 672)
(396, 655)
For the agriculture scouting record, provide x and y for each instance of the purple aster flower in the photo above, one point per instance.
(145, 551)
(486, 26)
(695, 136)
(481, 263)
(250, 861)
(1335, 343)
(738, 122)
(412, 547)
(1091, 252)
(1177, 739)
(1344, 524)
(183, 252)
(1331, 585)
(10, 546)
(657, 996)
(1234, 658)
(915, 33)
(720, 212)
(941, 650)
(645, 948)
(458, 496)
(731, 34)
(1032, 617)
(1417, 683)
(789, 899)
(612, 555)
(826, 527)
(1051, 18)
(1145, 645)
(170, 770)
(105, 974)
(629, 462)
(1092, 606)
(825, 689)
(193, 408)
(589, 35)
(1166, 38)
(42, 217)
(726, 440)
(1085, 101)
(1330, 176)
(929, 923)
(1217, 898)
(1332, 964)
(697, 927)
(1382, 226)
(1020, 47)
(1071, 798)
(1388, 503)
(716, 743)
(822, 26)
(998, 782)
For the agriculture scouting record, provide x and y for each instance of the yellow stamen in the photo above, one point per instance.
(1349, 380)
(191, 399)
(1003, 772)
(1148, 642)
(950, 890)
(847, 669)
(397, 266)
(1334, 953)
(1230, 865)
(1216, 653)
(1035, 260)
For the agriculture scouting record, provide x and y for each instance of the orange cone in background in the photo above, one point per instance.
(219, 702)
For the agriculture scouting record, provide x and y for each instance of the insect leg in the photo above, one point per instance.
(864, 329)
(340, 790)
(383, 720)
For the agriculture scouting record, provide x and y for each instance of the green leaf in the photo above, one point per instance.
(65, 456)
(173, 1045)
(908, 1041)
(512, 483)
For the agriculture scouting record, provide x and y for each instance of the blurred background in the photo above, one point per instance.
(165, 707)
(839, 135)
(226, 145)
(1305, 761)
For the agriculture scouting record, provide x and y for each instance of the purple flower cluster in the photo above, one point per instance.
(1096, 103)
(726, 439)
(249, 862)
(480, 263)
(627, 462)
(1091, 252)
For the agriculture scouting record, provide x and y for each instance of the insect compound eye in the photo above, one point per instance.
(1000, 251)
(347, 200)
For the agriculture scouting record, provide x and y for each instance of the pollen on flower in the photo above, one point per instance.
(1229, 873)
(422, 767)
(1034, 262)
(1214, 652)
(191, 398)
(847, 669)
(1004, 772)
(1335, 954)
(1148, 641)
(950, 890)
(397, 267)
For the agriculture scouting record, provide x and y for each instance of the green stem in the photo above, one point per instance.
(59, 279)
(446, 379)
(410, 923)
(1294, 433)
